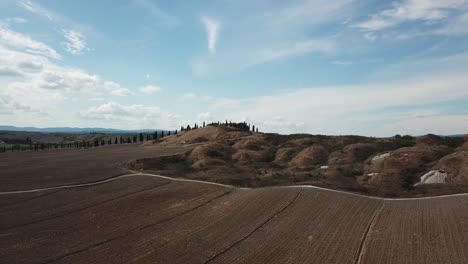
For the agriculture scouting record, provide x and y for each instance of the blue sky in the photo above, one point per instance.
(325, 67)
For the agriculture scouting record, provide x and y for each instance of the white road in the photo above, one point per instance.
(218, 184)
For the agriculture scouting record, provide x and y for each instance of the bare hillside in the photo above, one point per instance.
(377, 166)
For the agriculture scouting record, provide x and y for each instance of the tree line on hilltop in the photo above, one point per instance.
(123, 139)
(126, 139)
(242, 126)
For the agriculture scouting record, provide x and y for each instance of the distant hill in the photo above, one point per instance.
(76, 130)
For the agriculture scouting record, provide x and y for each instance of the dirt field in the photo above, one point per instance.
(146, 219)
(31, 170)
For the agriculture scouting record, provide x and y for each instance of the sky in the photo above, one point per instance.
(366, 67)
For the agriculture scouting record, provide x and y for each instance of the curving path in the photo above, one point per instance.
(219, 184)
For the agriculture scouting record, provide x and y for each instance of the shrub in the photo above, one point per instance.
(349, 172)
(268, 155)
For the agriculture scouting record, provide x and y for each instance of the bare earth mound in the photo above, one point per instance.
(389, 167)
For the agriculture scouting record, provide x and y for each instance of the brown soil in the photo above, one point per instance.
(150, 220)
(37, 169)
(309, 157)
(251, 159)
(419, 231)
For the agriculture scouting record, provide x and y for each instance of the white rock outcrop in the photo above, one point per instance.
(434, 176)
(381, 156)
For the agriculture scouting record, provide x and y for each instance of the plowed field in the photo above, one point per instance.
(148, 219)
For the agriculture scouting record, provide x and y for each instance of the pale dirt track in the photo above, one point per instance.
(141, 218)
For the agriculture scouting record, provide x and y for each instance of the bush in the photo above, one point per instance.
(268, 155)
(453, 142)
(349, 172)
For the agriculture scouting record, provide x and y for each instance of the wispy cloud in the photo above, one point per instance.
(354, 105)
(36, 9)
(20, 41)
(164, 17)
(18, 20)
(150, 89)
(295, 49)
(342, 63)
(212, 27)
(76, 42)
(306, 13)
(410, 11)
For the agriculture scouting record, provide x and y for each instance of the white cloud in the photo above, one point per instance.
(457, 26)
(9, 106)
(19, 41)
(308, 109)
(412, 10)
(307, 13)
(212, 27)
(76, 42)
(205, 116)
(295, 49)
(134, 116)
(115, 111)
(342, 63)
(150, 89)
(157, 12)
(195, 97)
(18, 20)
(116, 90)
(36, 9)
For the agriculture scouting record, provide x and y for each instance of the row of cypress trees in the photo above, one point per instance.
(31, 146)
(242, 126)
(123, 139)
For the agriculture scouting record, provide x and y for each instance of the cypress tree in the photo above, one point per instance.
(176, 131)
(115, 141)
(141, 137)
(253, 128)
(203, 123)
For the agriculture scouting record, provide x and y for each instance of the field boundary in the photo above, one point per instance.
(134, 173)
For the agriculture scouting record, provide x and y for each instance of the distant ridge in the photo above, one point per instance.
(76, 130)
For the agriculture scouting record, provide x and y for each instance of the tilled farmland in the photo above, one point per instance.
(141, 218)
